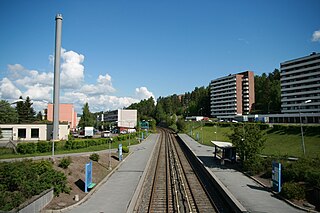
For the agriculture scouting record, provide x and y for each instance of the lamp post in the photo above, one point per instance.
(216, 132)
(201, 125)
(110, 141)
(302, 138)
(129, 121)
(14, 102)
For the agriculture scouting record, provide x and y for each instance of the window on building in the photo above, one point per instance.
(34, 133)
(22, 133)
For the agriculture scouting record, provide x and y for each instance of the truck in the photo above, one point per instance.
(88, 131)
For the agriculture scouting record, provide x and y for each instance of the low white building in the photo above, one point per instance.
(31, 132)
(194, 118)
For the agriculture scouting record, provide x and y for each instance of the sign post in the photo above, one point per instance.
(276, 176)
(88, 179)
(120, 152)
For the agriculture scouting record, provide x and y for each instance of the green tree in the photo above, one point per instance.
(145, 108)
(39, 116)
(267, 93)
(8, 114)
(248, 140)
(87, 118)
(26, 113)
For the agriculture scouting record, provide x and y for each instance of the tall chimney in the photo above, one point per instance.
(56, 89)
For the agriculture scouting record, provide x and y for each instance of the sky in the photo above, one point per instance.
(118, 52)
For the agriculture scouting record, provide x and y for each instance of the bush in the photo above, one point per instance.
(65, 162)
(24, 179)
(26, 148)
(94, 157)
(253, 165)
(292, 190)
(43, 146)
(125, 149)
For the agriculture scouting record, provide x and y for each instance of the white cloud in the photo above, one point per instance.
(143, 93)
(316, 35)
(39, 92)
(39, 86)
(103, 86)
(15, 67)
(34, 77)
(72, 70)
(16, 70)
(8, 90)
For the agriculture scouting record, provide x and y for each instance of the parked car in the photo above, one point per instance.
(75, 134)
(106, 134)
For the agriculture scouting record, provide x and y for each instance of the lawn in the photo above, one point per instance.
(277, 142)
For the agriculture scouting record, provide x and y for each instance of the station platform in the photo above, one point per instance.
(116, 193)
(251, 195)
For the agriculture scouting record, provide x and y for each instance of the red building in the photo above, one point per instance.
(233, 94)
(66, 114)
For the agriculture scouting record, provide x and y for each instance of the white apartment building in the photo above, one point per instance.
(232, 95)
(300, 81)
(124, 118)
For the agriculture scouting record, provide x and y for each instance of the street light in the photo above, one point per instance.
(129, 121)
(110, 141)
(216, 132)
(302, 138)
(14, 102)
(201, 124)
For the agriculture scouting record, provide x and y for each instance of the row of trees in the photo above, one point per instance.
(169, 109)
(197, 102)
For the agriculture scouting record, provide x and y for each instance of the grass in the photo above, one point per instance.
(6, 153)
(277, 142)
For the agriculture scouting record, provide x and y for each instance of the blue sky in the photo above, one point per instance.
(119, 52)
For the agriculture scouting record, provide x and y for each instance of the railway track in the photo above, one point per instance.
(171, 184)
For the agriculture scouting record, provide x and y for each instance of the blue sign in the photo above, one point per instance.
(88, 180)
(276, 176)
(120, 152)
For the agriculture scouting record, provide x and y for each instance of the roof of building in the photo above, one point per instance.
(222, 144)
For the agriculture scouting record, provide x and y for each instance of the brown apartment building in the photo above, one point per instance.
(232, 95)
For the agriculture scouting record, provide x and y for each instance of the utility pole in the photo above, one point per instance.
(56, 89)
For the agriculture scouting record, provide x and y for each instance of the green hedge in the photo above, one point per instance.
(45, 146)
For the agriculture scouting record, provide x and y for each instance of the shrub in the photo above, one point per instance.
(253, 165)
(26, 148)
(69, 144)
(94, 157)
(24, 179)
(65, 162)
(125, 149)
(313, 177)
(43, 146)
(292, 190)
